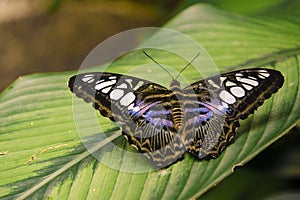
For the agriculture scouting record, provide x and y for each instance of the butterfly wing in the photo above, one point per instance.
(110, 93)
(142, 108)
(224, 100)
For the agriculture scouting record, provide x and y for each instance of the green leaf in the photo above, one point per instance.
(43, 156)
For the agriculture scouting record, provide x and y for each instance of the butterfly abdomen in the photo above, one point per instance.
(176, 98)
(177, 113)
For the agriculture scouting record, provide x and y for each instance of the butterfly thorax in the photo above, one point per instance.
(177, 113)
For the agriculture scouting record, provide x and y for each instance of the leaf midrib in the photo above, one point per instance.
(271, 58)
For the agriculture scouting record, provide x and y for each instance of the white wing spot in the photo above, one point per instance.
(106, 90)
(261, 76)
(105, 84)
(237, 91)
(227, 97)
(222, 79)
(122, 86)
(100, 81)
(88, 79)
(130, 106)
(252, 77)
(265, 75)
(248, 87)
(238, 74)
(116, 94)
(140, 83)
(225, 105)
(127, 99)
(229, 83)
(247, 80)
(112, 77)
(262, 71)
(129, 81)
(136, 109)
(211, 82)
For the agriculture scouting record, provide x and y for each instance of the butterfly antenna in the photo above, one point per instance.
(158, 64)
(187, 65)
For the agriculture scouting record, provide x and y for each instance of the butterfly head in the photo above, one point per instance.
(175, 84)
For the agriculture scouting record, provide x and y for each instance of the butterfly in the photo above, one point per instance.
(164, 124)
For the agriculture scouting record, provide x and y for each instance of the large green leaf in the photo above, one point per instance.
(37, 119)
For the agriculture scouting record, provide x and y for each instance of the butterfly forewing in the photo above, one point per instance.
(165, 123)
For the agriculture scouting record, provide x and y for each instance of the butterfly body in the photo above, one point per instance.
(162, 123)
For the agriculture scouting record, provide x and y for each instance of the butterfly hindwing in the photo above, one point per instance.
(153, 129)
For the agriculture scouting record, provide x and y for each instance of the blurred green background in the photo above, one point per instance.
(56, 35)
